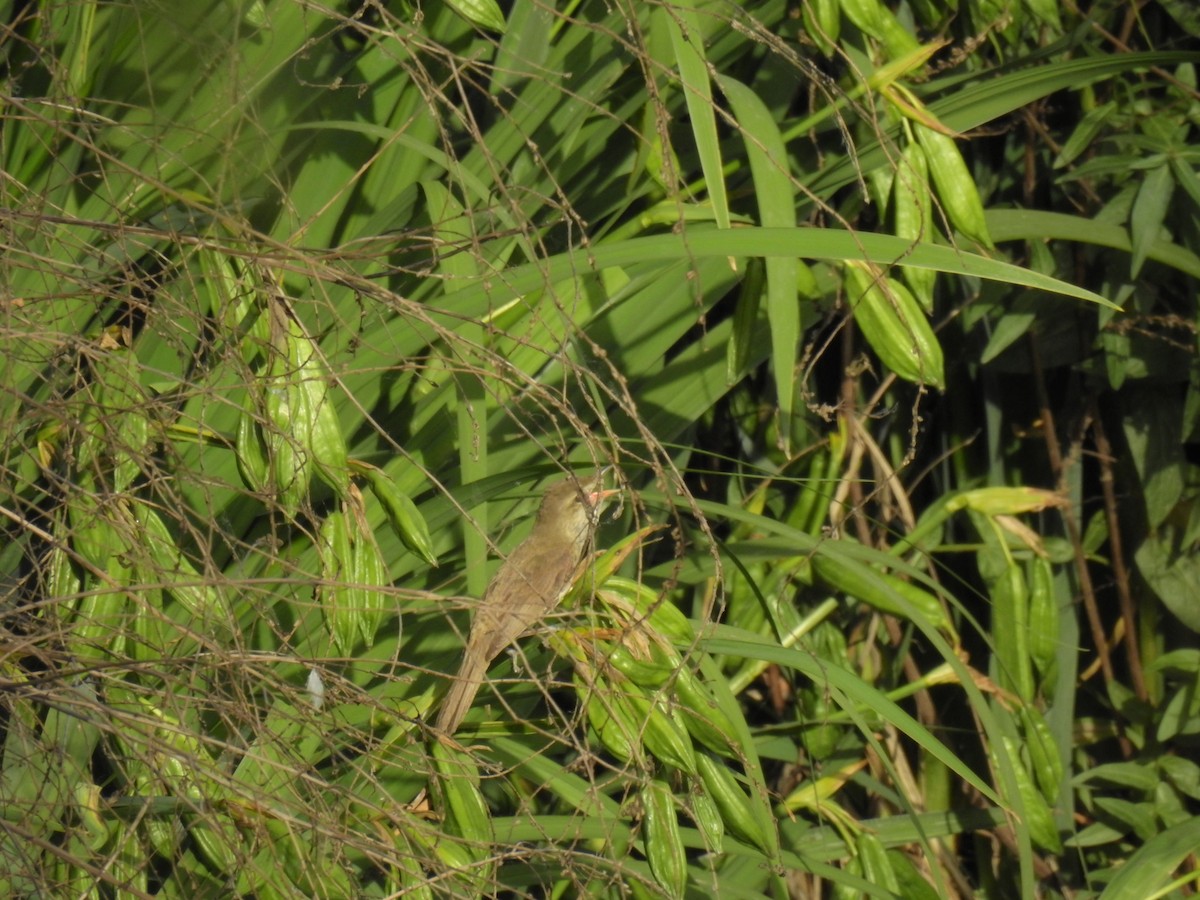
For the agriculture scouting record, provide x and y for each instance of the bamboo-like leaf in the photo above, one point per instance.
(1149, 210)
(804, 242)
(683, 24)
(1152, 864)
(484, 13)
(774, 193)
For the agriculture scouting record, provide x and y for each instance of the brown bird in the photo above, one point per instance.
(531, 582)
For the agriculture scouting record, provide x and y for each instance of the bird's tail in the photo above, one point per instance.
(462, 694)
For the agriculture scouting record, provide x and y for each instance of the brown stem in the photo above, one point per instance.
(1120, 571)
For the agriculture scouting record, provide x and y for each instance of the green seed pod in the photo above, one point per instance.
(879, 187)
(61, 580)
(663, 616)
(708, 819)
(454, 855)
(287, 461)
(314, 422)
(163, 833)
(216, 838)
(1038, 818)
(664, 847)
(956, 188)
(876, 867)
(1043, 752)
(735, 807)
(466, 812)
(120, 400)
(912, 213)
(895, 326)
(897, 39)
(878, 589)
(341, 600)
(646, 673)
(251, 452)
(101, 616)
(1010, 631)
(369, 571)
(823, 22)
(406, 520)
(1043, 619)
(94, 832)
(611, 717)
(867, 16)
(702, 716)
(202, 600)
(408, 876)
(458, 780)
(325, 439)
(663, 733)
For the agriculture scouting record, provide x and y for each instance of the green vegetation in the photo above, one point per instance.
(884, 315)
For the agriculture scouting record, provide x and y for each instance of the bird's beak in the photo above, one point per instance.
(595, 498)
(598, 496)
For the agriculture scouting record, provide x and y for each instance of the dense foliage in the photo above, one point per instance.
(884, 316)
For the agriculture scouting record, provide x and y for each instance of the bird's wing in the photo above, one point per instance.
(500, 620)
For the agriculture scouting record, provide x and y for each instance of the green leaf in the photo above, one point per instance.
(484, 13)
(1036, 225)
(683, 25)
(1149, 211)
(1085, 132)
(1137, 818)
(1137, 776)
(776, 207)
(805, 242)
(1184, 774)
(1153, 431)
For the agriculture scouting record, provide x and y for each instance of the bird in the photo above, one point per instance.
(530, 583)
